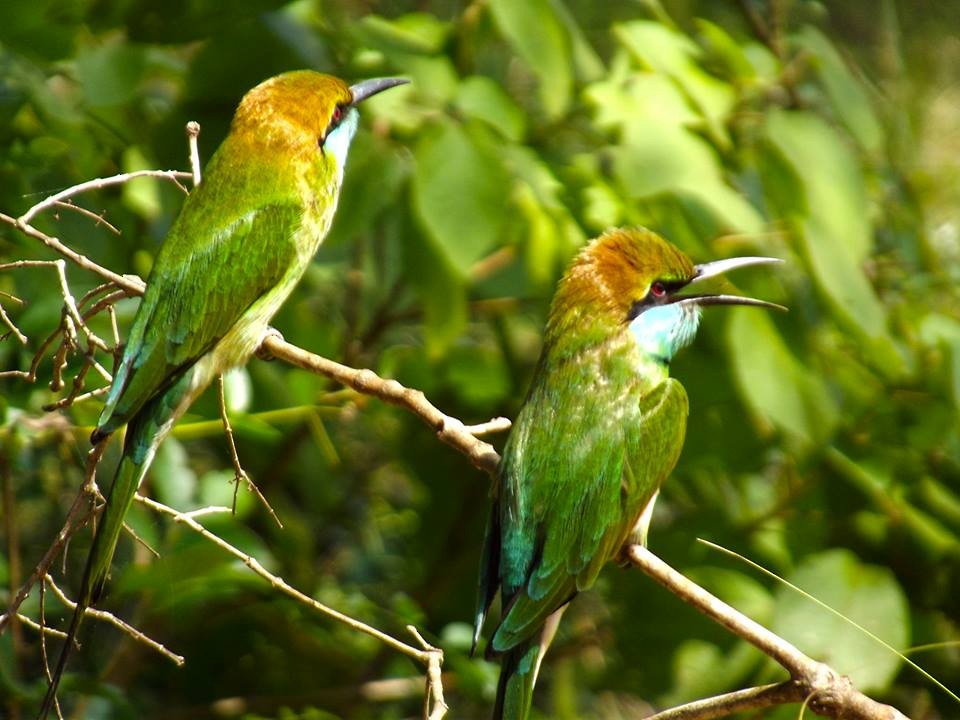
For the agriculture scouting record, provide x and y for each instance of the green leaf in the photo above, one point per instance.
(538, 37)
(846, 92)
(774, 385)
(937, 329)
(666, 51)
(668, 159)
(173, 479)
(414, 32)
(441, 289)
(832, 179)
(111, 73)
(867, 594)
(725, 49)
(840, 277)
(459, 194)
(481, 98)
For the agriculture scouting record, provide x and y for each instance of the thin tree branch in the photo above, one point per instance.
(825, 691)
(112, 619)
(429, 656)
(99, 183)
(448, 429)
(239, 474)
(80, 512)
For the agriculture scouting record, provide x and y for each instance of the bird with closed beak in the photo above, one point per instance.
(243, 239)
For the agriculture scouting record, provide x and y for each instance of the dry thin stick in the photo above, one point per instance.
(720, 706)
(131, 283)
(448, 429)
(43, 648)
(240, 475)
(430, 656)
(434, 689)
(173, 175)
(112, 619)
(99, 219)
(34, 625)
(494, 425)
(193, 132)
(829, 693)
(80, 512)
(13, 328)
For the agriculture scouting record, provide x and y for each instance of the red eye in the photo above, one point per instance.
(337, 115)
(658, 289)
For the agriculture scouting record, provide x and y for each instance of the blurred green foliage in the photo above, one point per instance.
(824, 443)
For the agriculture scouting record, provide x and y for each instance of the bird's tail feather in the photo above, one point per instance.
(518, 675)
(144, 434)
(519, 668)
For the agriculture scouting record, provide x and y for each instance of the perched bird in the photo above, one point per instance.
(601, 428)
(243, 239)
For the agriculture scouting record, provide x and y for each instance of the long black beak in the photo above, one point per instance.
(719, 267)
(367, 88)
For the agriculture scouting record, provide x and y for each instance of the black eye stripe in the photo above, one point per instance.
(654, 298)
(335, 119)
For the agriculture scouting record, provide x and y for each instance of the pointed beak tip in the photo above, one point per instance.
(368, 88)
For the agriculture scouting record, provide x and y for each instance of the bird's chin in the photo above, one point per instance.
(663, 330)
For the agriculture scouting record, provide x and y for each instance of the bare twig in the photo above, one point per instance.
(448, 429)
(826, 691)
(240, 475)
(131, 283)
(99, 219)
(13, 328)
(112, 619)
(193, 132)
(34, 625)
(80, 512)
(99, 183)
(428, 655)
(434, 691)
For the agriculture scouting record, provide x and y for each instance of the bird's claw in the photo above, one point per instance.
(262, 352)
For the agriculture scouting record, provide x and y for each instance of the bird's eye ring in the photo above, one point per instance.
(337, 116)
(658, 289)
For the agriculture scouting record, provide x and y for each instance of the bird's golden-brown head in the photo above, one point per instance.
(302, 111)
(632, 280)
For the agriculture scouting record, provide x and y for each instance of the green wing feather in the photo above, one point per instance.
(573, 485)
(211, 269)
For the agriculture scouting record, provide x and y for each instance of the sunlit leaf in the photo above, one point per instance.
(459, 192)
(537, 35)
(867, 594)
(847, 94)
(481, 98)
(773, 383)
(675, 55)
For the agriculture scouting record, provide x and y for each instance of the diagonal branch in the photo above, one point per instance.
(431, 657)
(825, 691)
(449, 429)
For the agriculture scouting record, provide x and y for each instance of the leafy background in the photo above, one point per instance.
(823, 443)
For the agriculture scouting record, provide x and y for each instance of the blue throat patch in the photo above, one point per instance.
(338, 141)
(661, 331)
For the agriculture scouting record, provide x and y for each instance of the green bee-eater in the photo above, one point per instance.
(243, 239)
(601, 428)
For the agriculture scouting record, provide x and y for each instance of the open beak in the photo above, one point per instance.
(367, 88)
(719, 267)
